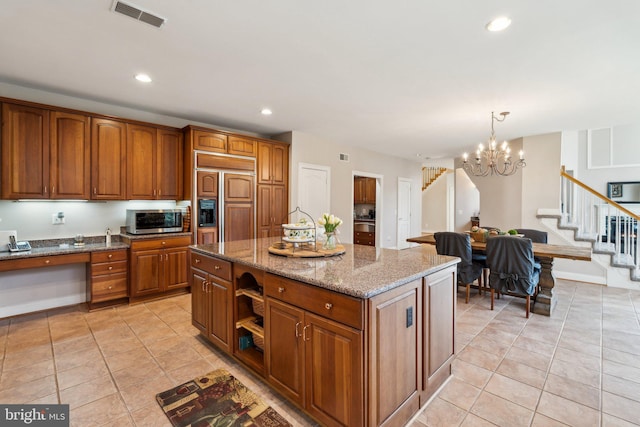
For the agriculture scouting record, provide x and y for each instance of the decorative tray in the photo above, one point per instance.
(307, 251)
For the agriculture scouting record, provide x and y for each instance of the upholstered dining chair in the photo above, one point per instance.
(536, 236)
(459, 244)
(513, 268)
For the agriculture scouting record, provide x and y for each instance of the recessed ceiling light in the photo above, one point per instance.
(144, 78)
(499, 24)
(266, 112)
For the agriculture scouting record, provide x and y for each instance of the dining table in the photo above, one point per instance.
(546, 299)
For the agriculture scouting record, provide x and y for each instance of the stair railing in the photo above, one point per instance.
(430, 174)
(610, 227)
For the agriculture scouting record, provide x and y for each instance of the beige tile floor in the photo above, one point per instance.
(581, 367)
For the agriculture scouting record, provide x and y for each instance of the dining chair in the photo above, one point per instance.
(536, 236)
(513, 268)
(459, 244)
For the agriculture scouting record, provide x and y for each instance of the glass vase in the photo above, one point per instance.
(330, 241)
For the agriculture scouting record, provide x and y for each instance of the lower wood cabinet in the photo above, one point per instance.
(158, 266)
(364, 238)
(345, 361)
(108, 275)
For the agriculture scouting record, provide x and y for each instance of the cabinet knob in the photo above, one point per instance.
(110, 287)
(110, 256)
(328, 306)
(281, 289)
(197, 260)
(110, 268)
(216, 267)
(164, 243)
(46, 261)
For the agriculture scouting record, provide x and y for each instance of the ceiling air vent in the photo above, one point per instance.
(138, 14)
(344, 157)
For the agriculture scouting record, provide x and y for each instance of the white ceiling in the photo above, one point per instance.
(399, 77)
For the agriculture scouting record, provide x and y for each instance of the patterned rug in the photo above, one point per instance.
(217, 399)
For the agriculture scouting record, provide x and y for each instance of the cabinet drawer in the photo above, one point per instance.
(108, 287)
(341, 308)
(109, 268)
(214, 266)
(108, 256)
(169, 242)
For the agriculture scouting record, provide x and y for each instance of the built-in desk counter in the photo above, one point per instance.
(360, 339)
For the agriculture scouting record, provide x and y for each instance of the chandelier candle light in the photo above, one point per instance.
(493, 160)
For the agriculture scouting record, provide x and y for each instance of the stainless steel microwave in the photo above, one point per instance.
(150, 221)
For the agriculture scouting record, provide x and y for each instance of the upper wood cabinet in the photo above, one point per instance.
(70, 155)
(273, 163)
(108, 159)
(209, 141)
(154, 163)
(241, 146)
(45, 153)
(364, 190)
(207, 184)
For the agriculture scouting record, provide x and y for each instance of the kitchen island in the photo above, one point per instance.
(364, 338)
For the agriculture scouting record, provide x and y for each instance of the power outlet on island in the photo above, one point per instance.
(57, 218)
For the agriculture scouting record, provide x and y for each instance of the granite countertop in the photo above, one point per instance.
(49, 247)
(363, 271)
(153, 235)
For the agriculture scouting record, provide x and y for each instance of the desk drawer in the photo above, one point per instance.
(332, 305)
(44, 261)
(109, 267)
(108, 287)
(161, 243)
(214, 266)
(108, 256)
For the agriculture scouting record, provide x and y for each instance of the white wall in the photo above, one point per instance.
(307, 148)
(434, 203)
(467, 200)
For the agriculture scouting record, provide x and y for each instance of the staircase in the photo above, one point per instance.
(590, 218)
(430, 174)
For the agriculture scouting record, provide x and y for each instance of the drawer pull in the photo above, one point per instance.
(46, 261)
(281, 289)
(328, 306)
(110, 256)
(110, 287)
(110, 268)
(216, 267)
(197, 260)
(304, 333)
(164, 243)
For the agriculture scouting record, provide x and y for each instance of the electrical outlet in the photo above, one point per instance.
(56, 219)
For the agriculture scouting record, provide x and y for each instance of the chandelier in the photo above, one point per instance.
(493, 160)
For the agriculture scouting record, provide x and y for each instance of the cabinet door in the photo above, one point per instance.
(280, 164)
(142, 160)
(220, 332)
(265, 160)
(199, 300)
(25, 152)
(238, 221)
(209, 141)
(265, 216)
(396, 346)
(358, 190)
(207, 184)
(70, 156)
(334, 372)
(279, 208)
(238, 188)
(370, 190)
(108, 159)
(284, 356)
(242, 146)
(207, 235)
(176, 269)
(170, 164)
(439, 345)
(145, 272)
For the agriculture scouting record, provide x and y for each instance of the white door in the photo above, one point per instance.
(404, 212)
(314, 190)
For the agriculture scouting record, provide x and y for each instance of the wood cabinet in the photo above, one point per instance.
(273, 163)
(315, 360)
(207, 235)
(45, 154)
(211, 296)
(241, 146)
(238, 207)
(364, 190)
(272, 209)
(209, 141)
(439, 329)
(364, 238)
(108, 159)
(158, 266)
(273, 189)
(154, 163)
(207, 184)
(108, 277)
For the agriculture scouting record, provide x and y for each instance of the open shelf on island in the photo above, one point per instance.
(252, 293)
(249, 324)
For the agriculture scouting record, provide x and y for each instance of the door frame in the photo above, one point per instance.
(410, 181)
